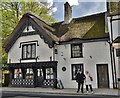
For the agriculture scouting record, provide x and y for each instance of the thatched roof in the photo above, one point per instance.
(113, 8)
(41, 27)
(88, 27)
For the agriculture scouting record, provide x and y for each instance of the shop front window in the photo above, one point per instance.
(49, 73)
(29, 73)
(17, 73)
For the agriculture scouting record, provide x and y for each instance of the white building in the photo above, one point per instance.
(38, 52)
(114, 30)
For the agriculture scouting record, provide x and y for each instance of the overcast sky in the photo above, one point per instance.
(79, 7)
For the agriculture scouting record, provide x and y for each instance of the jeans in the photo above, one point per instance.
(80, 85)
(89, 86)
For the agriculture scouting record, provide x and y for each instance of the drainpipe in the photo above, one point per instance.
(114, 68)
(54, 53)
(119, 72)
(113, 57)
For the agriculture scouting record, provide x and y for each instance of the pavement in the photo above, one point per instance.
(70, 91)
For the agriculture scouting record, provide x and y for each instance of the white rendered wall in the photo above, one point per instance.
(42, 51)
(116, 46)
(115, 26)
(100, 53)
(116, 33)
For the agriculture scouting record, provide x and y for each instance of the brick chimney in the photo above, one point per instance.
(67, 13)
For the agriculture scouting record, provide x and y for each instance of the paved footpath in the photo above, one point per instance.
(113, 92)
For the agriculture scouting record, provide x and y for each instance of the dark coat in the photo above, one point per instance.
(80, 78)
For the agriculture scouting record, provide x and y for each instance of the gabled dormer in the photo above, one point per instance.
(30, 24)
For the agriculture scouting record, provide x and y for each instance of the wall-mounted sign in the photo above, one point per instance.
(63, 68)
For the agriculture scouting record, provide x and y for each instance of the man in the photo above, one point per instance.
(80, 77)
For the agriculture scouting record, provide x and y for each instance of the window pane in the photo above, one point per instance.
(49, 73)
(18, 73)
(33, 51)
(24, 52)
(29, 51)
(40, 72)
(29, 73)
(75, 68)
(76, 50)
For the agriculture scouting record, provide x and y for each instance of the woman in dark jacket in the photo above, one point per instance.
(80, 77)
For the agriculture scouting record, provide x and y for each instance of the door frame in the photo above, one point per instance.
(107, 75)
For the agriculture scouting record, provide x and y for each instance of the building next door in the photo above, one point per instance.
(102, 76)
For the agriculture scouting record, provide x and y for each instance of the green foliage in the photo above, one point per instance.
(4, 57)
(11, 13)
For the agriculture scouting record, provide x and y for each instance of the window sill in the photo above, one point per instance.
(76, 57)
(29, 59)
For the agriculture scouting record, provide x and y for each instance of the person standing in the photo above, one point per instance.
(80, 77)
(88, 82)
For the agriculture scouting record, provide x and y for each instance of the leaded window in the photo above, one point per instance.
(76, 50)
(28, 51)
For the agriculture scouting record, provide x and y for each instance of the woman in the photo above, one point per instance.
(88, 82)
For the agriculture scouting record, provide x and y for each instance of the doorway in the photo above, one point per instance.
(46, 77)
(102, 76)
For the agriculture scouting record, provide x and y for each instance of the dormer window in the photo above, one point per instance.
(29, 51)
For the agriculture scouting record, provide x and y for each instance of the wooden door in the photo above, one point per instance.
(102, 76)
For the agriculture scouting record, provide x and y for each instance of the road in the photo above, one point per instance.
(44, 95)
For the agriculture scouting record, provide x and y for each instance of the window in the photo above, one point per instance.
(29, 73)
(75, 68)
(18, 73)
(28, 51)
(40, 72)
(76, 50)
(49, 73)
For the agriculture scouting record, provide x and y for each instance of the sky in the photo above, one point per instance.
(80, 8)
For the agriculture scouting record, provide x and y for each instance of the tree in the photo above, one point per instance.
(11, 13)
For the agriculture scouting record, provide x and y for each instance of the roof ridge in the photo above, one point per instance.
(81, 17)
(32, 14)
(89, 15)
(48, 33)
